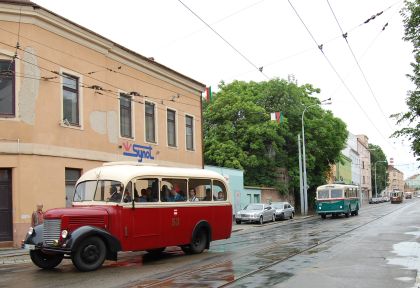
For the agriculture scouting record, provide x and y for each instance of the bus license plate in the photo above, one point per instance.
(29, 247)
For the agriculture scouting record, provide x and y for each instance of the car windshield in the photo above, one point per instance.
(278, 205)
(254, 207)
(101, 190)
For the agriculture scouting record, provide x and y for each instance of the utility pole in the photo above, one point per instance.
(302, 201)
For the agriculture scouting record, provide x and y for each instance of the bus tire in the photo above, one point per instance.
(261, 221)
(90, 254)
(199, 242)
(45, 261)
(323, 216)
(356, 212)
(347, 214)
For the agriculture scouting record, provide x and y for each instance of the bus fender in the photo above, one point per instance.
(202, 225)
(113, 244)
(36, 238)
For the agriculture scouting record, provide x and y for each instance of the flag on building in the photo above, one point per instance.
(209, 95)
(277, 116)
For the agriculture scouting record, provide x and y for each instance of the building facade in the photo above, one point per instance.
(395, 179)
(70, 100)
(365, 167)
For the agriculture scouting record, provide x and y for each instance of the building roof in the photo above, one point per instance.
(150, 60)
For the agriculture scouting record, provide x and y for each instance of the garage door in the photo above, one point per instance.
(6, 224)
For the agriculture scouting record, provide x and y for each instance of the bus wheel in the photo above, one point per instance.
(356, 212)
(45, 261)
(199, 242)
(90, 254)
(323, 216)
(347, 214)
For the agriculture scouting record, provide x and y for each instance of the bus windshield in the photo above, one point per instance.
(323, 194)
(101, 190)
(336, 193)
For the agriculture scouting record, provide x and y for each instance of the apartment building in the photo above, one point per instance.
(71, 100)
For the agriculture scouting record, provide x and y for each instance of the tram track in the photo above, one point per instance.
(169, 281)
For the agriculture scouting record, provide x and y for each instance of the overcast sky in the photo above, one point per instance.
(269, 34)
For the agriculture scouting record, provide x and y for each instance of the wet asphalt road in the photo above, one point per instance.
(378, 248)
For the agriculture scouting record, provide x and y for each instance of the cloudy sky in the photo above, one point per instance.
(269, 33)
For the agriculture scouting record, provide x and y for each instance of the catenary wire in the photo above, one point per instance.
(338, 75)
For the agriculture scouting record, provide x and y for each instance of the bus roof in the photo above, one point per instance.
(125, 171)
(332, 186)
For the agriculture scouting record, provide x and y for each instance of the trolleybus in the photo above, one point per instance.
(397, 196)
(336, 199)
(132, 207)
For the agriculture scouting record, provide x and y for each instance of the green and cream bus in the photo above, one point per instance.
(336, 199)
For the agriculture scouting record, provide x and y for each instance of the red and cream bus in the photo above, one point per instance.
(132, 207)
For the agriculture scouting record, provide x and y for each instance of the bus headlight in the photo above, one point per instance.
(341, 207)
(64, 234)
(31, 230)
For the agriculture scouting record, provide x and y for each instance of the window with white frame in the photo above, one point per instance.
(189, 132)
(71, 99)
(171, 126)
(150, 122)
(7, 88)
(126, 129)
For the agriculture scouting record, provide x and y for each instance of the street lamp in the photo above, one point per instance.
(376, 187)
(305, 183)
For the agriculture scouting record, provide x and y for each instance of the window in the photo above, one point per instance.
(146, 190)
(323, 194)
(336, 193)
(219, 191)
(71, 175)
(173, 190)
(71, 99)
(202, 188)
(7, 88)
(189, 132)
(171, 125)
(364, 181)
(256, 198)
(150, 122)
(125, 116)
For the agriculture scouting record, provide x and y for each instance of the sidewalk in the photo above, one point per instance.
(14, 256)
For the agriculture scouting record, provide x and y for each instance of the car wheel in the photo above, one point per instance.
(261, 220)
(292, 215)
(90, 254)
(274, 218)
(45, 261)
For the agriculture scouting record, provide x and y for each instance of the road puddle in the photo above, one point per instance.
(408, 256)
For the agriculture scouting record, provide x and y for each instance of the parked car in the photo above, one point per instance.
(255, 212)
(283, 210)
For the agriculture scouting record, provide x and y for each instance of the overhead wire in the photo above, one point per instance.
(260, 69)
(320, 46)
(345, 36)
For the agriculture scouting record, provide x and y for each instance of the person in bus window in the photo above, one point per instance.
(175, 196)
(220, 196)
(115, 194)
(164, 194)
(127, 197)
(143, 197)
(193, 198)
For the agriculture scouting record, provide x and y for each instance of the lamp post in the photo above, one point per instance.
(376, 187)
(305, 183)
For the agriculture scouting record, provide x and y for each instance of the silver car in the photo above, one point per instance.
(283, 210)
(254, 212)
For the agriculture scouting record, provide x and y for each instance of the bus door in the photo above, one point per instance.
(144, 220)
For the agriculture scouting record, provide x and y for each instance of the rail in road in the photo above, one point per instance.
(249, 253)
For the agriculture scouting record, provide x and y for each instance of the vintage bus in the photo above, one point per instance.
(335, 199)
(133, 207)
(396, 196)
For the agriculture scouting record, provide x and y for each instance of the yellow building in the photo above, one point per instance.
(70, 100)
(395, 179)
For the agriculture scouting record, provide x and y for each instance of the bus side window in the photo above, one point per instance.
(202, 188)
(219, 191)
(175, 190)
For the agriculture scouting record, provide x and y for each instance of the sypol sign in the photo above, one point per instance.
(139, 151)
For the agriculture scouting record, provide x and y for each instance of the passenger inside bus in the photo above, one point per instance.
(115, 193)
(193, 197)
(143, 197)
(175, 196)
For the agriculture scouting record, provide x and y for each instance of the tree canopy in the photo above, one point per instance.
(378, 156)
(411, 16)
(238, 132)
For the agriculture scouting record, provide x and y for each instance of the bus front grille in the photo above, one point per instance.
(52, 230)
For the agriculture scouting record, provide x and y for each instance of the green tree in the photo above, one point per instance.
(378, 156)
(238, 132)
(411, 16)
